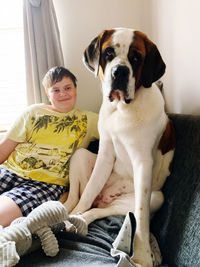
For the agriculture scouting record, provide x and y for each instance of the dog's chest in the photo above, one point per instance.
(134, 129)
(128, 134)
(127, 127)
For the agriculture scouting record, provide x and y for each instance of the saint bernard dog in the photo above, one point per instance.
(137, 138)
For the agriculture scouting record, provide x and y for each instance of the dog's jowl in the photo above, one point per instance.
(137, 138)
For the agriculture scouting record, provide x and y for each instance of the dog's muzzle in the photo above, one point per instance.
(119, 75)
(119, 82)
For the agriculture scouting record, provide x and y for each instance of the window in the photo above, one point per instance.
(12, 62)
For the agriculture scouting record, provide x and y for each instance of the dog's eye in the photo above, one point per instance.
(135, 59)
(109, 53)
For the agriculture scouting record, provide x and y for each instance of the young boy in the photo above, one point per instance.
(36, 150)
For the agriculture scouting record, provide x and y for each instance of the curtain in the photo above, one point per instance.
(42, 46)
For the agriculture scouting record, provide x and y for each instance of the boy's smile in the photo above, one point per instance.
(62, 95)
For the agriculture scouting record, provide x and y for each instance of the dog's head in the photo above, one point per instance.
(125, 60)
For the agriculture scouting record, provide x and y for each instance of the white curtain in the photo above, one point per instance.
(42, 46)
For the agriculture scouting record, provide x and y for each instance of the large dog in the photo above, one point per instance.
(136, 137)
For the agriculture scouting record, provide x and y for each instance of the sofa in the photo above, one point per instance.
(176, 225)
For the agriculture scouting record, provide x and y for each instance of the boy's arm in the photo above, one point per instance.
(7, 146)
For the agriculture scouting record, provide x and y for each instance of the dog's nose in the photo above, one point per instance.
(120, 72)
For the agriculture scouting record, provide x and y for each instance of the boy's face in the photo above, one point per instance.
(62, 95)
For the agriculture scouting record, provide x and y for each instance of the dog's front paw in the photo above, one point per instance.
(142, 255)
(147, 254)
(142, 262)
(83, 205)
(80, 224)
(78, 210)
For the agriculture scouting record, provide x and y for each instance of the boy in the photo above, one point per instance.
(36, 150)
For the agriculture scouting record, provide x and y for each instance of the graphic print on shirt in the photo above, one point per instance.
(51, 142)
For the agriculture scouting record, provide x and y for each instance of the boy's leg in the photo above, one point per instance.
(8, 180)
(9, 211)
(24, 197)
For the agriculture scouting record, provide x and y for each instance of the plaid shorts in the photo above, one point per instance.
(27, 194)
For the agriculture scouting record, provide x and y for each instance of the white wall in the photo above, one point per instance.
(82, 20)
(174, 25)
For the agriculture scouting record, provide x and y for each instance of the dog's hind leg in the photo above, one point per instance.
(156, 202)
(81, 166)
(119, 206)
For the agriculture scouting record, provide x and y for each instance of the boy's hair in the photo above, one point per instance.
(55, 75)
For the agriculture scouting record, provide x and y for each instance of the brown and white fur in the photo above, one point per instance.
(136, 137)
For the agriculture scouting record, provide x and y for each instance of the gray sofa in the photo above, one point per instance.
(176, 225)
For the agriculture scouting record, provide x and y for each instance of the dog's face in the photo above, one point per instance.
(125, 60)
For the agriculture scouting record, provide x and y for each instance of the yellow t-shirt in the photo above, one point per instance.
(47, 141)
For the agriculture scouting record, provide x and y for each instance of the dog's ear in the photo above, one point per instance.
(154, 66)
(91, 55)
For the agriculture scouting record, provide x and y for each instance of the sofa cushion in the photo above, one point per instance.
(177, 224)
